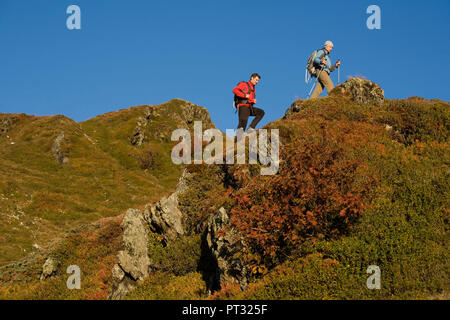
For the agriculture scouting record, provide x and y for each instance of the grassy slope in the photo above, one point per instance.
(404, 229)
(41, 198)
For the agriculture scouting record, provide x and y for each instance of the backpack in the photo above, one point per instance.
(239, 100)
(310, 67)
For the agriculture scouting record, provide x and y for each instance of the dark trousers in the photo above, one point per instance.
(245, 112)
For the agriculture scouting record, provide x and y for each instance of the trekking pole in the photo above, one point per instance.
(339, 73)
(314, 85)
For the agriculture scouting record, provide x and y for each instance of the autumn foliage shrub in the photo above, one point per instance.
(323, 187)
(404, 232)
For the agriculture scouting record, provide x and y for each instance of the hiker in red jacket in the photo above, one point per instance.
(245, 101)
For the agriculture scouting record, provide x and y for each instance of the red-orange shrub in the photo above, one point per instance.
(320, 190)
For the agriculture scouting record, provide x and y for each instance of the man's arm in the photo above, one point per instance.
(338, 63)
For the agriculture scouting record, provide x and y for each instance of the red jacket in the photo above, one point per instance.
(242, 89)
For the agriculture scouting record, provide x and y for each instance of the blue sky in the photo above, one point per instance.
(137, 52)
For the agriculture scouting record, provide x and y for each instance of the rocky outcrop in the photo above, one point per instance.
(133, 262)
(164, 217)
(226, 248)
(57, 149)
(294, 108)
(362, 91)
(6, 123)
(138, 135)
(49, 268)
(191, 112)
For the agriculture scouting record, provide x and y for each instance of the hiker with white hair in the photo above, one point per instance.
(321, 66)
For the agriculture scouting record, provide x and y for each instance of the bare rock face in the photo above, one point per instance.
(190, 112)
(133, 260)
(6, 123)
(295, 107)
(225, 248)
(134, 264)
(57, 149)
(138, 135)
(362, 91)
(164, 217)
(49, 268)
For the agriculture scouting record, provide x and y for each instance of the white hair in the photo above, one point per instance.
(328, 43)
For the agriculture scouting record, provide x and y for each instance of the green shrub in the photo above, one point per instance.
(204, 196)
(179, 257)
(165, 286)
(419, 119)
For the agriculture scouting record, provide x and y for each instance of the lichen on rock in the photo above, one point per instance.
(164, 217)
(57, 149)
(226, 247)
(362, 91)
(6, 123)
(134, 263)
(133, 260)
(49, 268)
(138, 136)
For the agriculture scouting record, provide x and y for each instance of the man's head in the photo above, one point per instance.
(254, 78)
(328, 45)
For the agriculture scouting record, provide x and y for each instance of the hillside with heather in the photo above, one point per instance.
(362, 181)
(56, 174)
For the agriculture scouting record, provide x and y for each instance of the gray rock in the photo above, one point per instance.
(56, 149)
(6, 123)
(164, 217)
(295, 107)
(225, 248)
(191, 112)
(122, 284)
(134, 264)
(49, 268)
(121, 287)
(117, 273)
(362, 91)
(138, 136)
(133, 260)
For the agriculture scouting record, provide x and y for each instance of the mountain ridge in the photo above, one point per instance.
(359, 184)
(48, 161)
